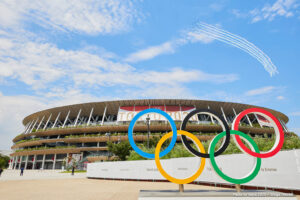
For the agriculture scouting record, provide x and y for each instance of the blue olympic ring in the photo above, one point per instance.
(130, 133)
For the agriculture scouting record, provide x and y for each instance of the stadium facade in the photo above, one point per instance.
(84, 129)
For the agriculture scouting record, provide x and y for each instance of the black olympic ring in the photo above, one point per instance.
(190, 148)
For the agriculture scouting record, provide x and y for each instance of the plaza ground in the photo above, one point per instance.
(49, 185)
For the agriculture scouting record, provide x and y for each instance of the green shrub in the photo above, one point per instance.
(32, 139)
(264, 144)
(44, 148)
(122, 149)
(4, 161)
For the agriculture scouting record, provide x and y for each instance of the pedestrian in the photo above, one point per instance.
(73, 169)
(1, 170)
(22, 171)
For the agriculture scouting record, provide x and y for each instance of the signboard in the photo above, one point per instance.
(126, 113)
(72, 159)
(76, 157)
(280, 171)
(263, 121)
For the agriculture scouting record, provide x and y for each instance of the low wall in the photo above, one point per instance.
(281, 171)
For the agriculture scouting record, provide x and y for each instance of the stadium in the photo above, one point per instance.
(84, 130)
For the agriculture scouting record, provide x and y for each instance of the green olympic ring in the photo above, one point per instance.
(249, 141)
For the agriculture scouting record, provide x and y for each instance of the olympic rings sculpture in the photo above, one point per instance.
(253, 151)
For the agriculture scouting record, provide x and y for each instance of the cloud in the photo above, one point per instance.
(84, 16)
(237, 13)
(295, 130)
(180, 75)
(137, 78)
(151, 52)
(13, 109)
(42, 65)
(251, 96)
(39, 63)
(296, 114)
(280, 97)
(169, 47)
(283, 8)
(216, 6)
(159, 91)
(226, 96)
(198, 36)
(260, 91)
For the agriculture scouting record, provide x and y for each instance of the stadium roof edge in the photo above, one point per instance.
(113, 106)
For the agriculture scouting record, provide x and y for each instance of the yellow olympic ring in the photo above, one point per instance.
(164, 173)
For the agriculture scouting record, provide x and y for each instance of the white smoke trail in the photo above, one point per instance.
(236, 41)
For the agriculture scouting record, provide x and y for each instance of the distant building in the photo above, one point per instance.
(83, 130)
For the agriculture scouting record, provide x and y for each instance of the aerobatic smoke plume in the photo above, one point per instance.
(214, 32)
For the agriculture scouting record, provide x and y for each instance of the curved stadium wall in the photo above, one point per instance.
(84, 129)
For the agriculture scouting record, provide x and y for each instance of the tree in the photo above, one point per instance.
(122, 149)
(4, 161)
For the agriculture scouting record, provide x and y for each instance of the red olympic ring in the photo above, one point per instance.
(235, 126)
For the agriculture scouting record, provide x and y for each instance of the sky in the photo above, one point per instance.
(55, 53)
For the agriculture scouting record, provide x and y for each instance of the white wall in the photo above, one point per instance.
(280, 171)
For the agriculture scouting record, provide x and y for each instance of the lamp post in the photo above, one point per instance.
(148, 127)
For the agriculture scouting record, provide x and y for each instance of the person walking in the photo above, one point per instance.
(22, 171)
(1, 170)
(73, 169)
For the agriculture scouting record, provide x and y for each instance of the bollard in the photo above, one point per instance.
(238, 187)
(181, 188)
